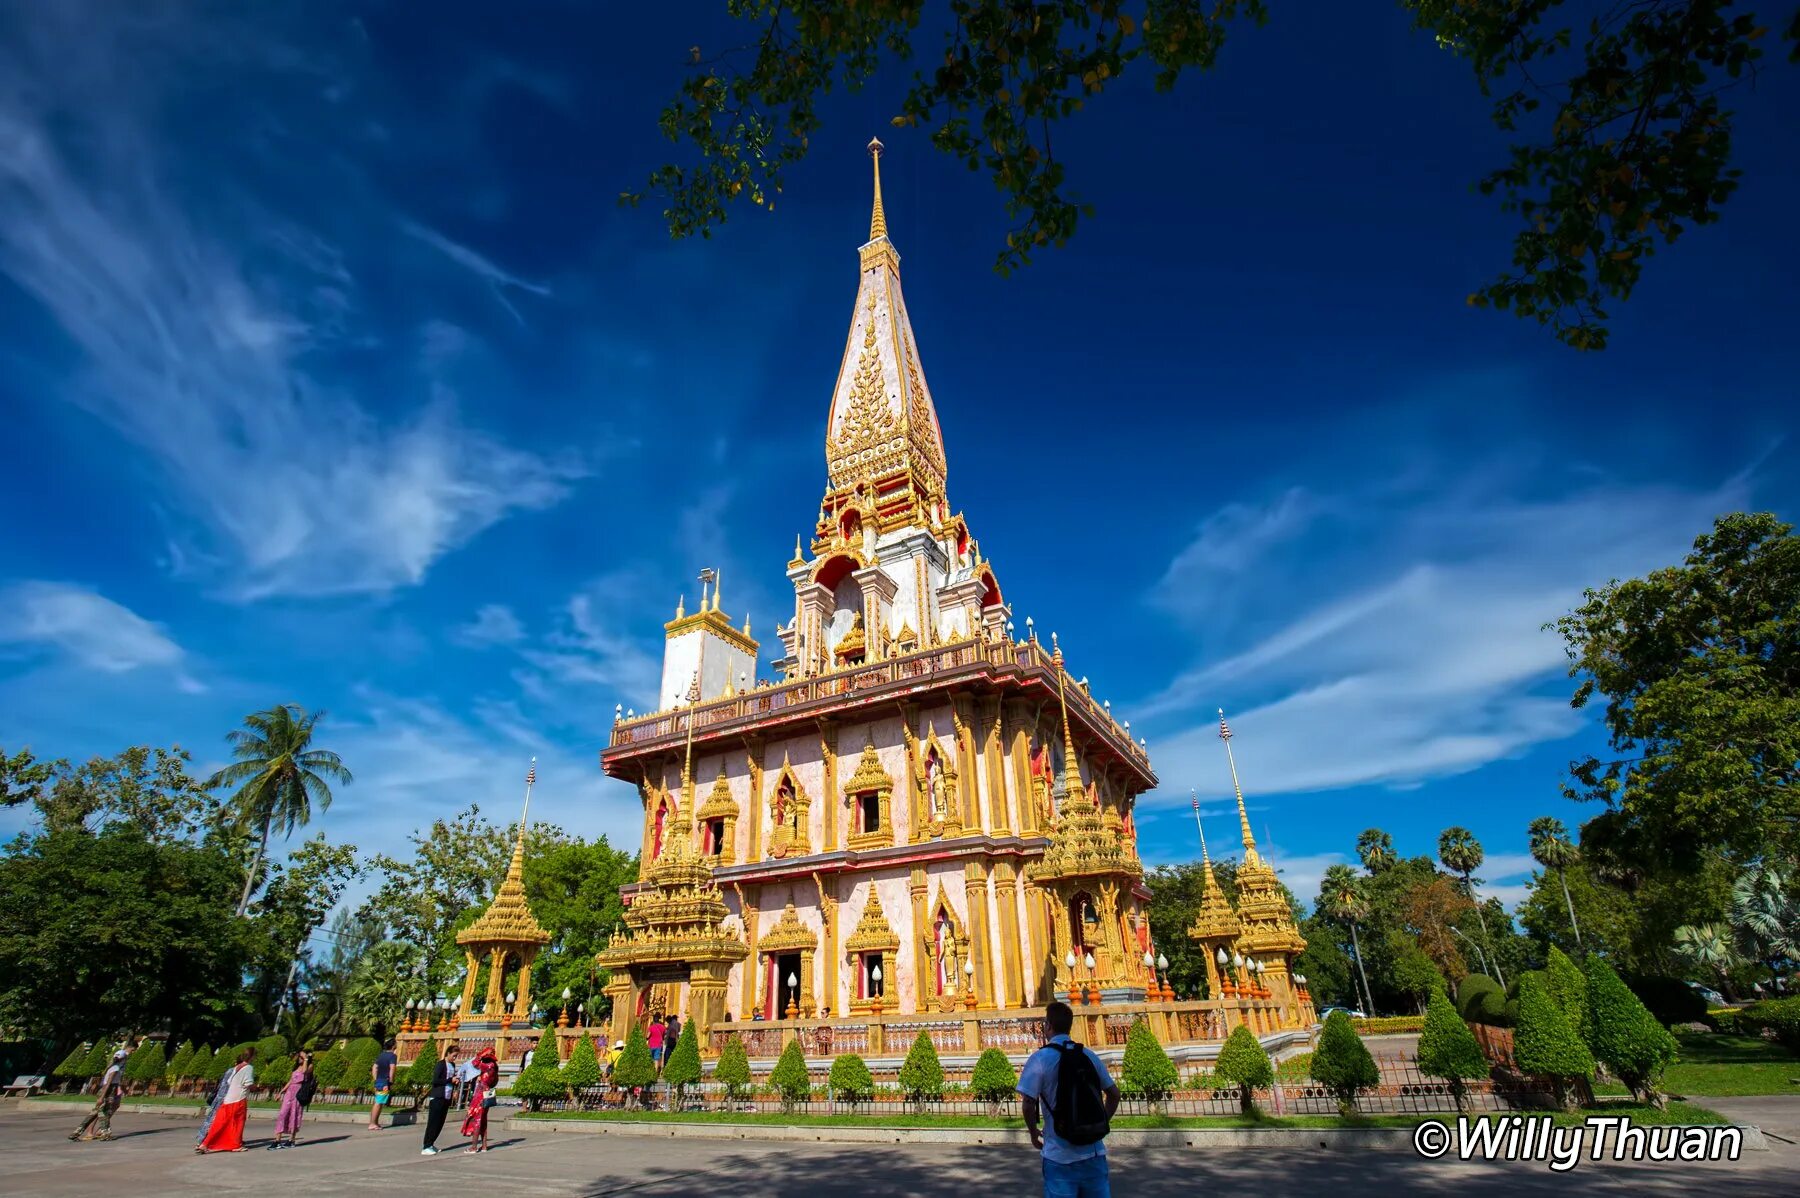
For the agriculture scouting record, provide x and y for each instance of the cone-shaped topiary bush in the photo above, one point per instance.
(1244, 1063)
(542, 1079)
(1341, 1063)
(199, 1065)
(176, 1069)
(74, 1066)
(1148, 1069)
(327, 1066)
(850, 1080)
(416, 1079)
(359, 1062)
(733, 1069)
(790, 1077)
(98, 1058)
(146, 1063)
(1625, 1035)
(1480, 999)
(635, 1068)
(273, 1076)
(267, 1049)
(922, 1076)
(683, 1067)
(583, 1066)
(994, 1080)
(1448, 1049)
(1567, 986)
(1546, 1043)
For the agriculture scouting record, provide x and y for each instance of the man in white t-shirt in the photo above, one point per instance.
(1070, 1170)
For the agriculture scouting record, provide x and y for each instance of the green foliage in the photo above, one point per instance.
(635, 1068)
(921, 1075)
(1341, 1063)
(683, 1066)
(582, 1069)
(1780, 1017)
(790, 1077)
(178, 1064)
(99, 1057)
(1245, 1064)
(417, 1076)
(199, 1066)
(74, 1065)
(328, 1068)
(268, 1048)
(1479, 999)
(1447, 1048)
(1624, 1035)
(542, 1079)
(1545, 1042)
(273, 1076)
(172, 955)
(1567, 986)
(147, 1063)
(1148, 1069)
(1700, 670)
(850, 1080)
(994, 1079)
(359, 1062)
(143, 788)
(733, 1069)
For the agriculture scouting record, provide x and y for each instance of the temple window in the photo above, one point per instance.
(869, 805)
(872, 977)
(715, 837)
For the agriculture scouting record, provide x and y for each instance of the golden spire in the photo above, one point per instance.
(1250, 853)
(1071, 770)
(877, 218)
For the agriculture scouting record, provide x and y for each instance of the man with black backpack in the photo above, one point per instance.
(1071, 1084)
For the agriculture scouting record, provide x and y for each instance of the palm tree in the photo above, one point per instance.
(1341, 898)
(278, 775)
(1461, 854)
(1765, 914)
(1708, 947)
(1376, 849)
(1551, 849)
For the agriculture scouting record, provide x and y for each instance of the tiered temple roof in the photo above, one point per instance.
(508, 919)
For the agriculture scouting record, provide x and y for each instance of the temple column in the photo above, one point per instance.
(471, 967)
(496, 988)
(975, 895)
(522, 1007)
(833, 803)
(1019, 726)
(920, 929)
(828, 915)
(999, 820)
(1007, 899)
(753, 814)
(1045, 961)
(751, 966)
(968, 768)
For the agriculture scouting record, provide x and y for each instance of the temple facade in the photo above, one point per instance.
(910, 810)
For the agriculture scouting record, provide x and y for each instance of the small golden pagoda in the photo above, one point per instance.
(1268, 936)
(1216, 926)
(1090, 871)
(507, 932)
(676, 933)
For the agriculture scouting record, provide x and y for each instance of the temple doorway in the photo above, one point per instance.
(787, 966)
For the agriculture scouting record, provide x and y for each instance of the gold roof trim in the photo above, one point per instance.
(869, 775)
(873, 932)
(788, 934)
(719, 803)
(508, 919)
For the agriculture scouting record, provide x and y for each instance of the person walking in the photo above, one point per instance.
(293, 1107)
(672, 1035)
(227, 1131)
(487, 1076)
(1072, 1084)
(382, 1074)
(443, 1092)
(212, 1111)
(98, 1124)
(655, 1038)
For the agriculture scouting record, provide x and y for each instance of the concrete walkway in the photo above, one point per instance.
(154, 1156)
(1777, 1114)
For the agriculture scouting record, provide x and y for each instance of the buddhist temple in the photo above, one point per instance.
(909, 815)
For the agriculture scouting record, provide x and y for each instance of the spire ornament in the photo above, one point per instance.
(878, 217)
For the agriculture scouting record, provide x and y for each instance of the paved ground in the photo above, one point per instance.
(154, 1156)
(1777, 1114)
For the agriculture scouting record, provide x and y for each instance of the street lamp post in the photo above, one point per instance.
(1162, 965)
(1076, 995)
(1088, 961)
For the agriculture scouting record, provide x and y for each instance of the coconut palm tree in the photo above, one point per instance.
(1461, 854)
(1376, 849)
(1551, 849)
(279, 775)
(1341, 898)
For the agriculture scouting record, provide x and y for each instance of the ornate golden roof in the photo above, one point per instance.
(869, 775)
(679, 915)
(788, 934)
(1216, 921)
(1081, 843)
(719, 803)
(508, 919)
(873, 932)
(854, 641)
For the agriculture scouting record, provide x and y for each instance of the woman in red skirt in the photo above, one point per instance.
(227, 1131)
(487, 1076)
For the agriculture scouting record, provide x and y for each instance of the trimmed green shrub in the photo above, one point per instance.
(416, 1079)
(922, 1075)
(635, 1068)
(1341, 1063)
(74, 1065)
(198, 1065)
(1448, 1049)
(1480, 999)
(177, 1066)
(1625, 1035)
(267, 1049)
(273, 1076)
(542, 1079)
(583, 1067)
(1669, 1000)
(1546, 1043)
(1724, 1019)
(683, 1067)
(224, 1060)
(1148, 1069)
(148, 1064)
(733, 1069)
(994, 1079)
(850, 1080)
(99, 1057)
(1245, 1064)
(359, 1063)
(1777, 1017)
(790, 1077)
(327, 1066)
(1567, 986)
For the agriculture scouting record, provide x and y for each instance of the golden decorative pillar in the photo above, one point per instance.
(748, 992)
(753, 753)
(916, 889)
(832, 812)
(975, 894)
(999, 816)
(967, 769)
(828, 914)
(1019, 722)
(1010, 986)
(1046, 962)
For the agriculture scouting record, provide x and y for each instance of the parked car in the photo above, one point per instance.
(1350, 1011)
(1713, 997)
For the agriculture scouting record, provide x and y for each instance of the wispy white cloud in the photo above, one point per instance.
(497, 279)
(202, 318)
(596, 644)
(1420, 655)
(494, 624)
(89, 629)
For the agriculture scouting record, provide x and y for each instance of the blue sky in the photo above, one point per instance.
(334, 374)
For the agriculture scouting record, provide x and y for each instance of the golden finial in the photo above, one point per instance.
(877, 218)
(1204, 859)
(718, 585)
(681, 607)
(1243, 815)
(1071, 770)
